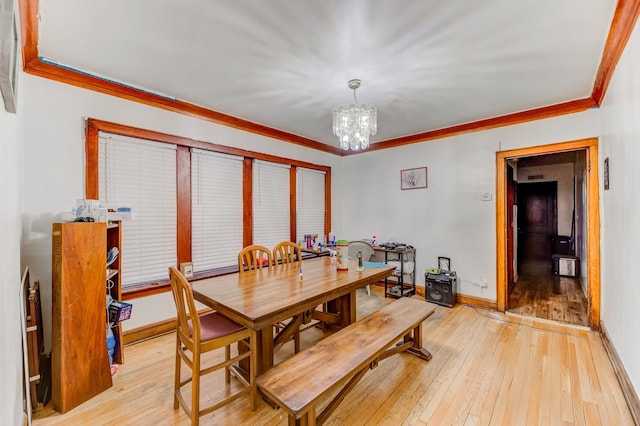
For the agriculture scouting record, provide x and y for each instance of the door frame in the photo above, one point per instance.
(593, 219)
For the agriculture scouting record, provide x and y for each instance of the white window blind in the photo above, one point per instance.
(216, 218)
(271, 212)
(142, 175)
(310, 200)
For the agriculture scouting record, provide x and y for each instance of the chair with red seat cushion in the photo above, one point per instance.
(287, 252)
(253, 257)
(199, 334)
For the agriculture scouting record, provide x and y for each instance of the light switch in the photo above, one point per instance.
(486, 196)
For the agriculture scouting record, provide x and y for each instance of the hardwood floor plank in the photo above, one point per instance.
(487, 369)
(491, 387)
(536, 369)
(539, 293)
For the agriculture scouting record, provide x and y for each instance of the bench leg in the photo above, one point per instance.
(417, 349)
(309, 418)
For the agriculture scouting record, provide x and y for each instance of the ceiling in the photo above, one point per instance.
(425, 64)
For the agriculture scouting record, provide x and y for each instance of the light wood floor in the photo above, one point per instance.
(487, 369)
(538, 293)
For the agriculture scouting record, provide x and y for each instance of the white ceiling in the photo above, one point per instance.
(425, 64)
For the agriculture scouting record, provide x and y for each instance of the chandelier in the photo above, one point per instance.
(353, 123)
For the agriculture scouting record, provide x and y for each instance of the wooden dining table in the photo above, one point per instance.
(261, 298)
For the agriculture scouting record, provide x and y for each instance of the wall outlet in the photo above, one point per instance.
(482, 283)
(486, 196)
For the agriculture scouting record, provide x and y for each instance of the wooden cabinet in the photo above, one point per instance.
(79, 359)
(114, 284)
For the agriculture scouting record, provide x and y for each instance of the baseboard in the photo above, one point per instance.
(153, 330)
(628, 390)
(462, 299)
(476, 301)
(149, 331)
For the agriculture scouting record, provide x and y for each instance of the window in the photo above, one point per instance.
(310, 202)
(216, 209)
(142, 175)
(191, 201)
(271, 200)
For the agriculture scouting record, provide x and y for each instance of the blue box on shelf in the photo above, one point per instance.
(119, 311)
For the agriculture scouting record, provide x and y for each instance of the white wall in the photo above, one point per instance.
(11, 384)
(449, 218)
(620, 220)
(563, 174)
(54, 170)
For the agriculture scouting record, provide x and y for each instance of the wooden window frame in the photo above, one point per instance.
(183, 182)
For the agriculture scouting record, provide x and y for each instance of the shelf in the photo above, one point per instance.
(114, 289)
(407, 290)
(404, 259)
(111, 273)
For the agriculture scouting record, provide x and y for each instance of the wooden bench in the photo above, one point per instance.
(342, 359)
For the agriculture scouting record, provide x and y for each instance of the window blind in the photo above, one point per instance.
(310, 202)
(216, 212)
(271, 212)
(142, 175)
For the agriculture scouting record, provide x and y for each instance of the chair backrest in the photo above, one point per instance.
(253, 257)
(188, 321)
(361, 246)
(287, 252)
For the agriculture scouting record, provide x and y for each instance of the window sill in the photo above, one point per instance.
(135, 291)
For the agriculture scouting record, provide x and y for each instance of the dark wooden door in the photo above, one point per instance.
(537, 219)
(511, 192)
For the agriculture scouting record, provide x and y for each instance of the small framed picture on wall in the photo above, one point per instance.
(413, 178)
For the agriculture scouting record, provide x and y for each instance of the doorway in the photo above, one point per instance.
(541, 292)
(540, 222)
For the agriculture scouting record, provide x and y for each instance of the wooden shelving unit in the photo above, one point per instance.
(401, 256)
(79, 359)
(80, 283)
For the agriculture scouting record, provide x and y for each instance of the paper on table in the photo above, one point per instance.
(374, 265)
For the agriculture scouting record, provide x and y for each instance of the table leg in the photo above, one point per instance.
(345, 308)
(264, 343)
(265, 349)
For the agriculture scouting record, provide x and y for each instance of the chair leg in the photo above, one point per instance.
(176, 385)
(195, 389)
(227, 356)
(253, 368)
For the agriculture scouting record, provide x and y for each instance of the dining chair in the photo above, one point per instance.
(367, 253)
(196, 335)
(253, 257)
(284, 253)
(287, 252)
